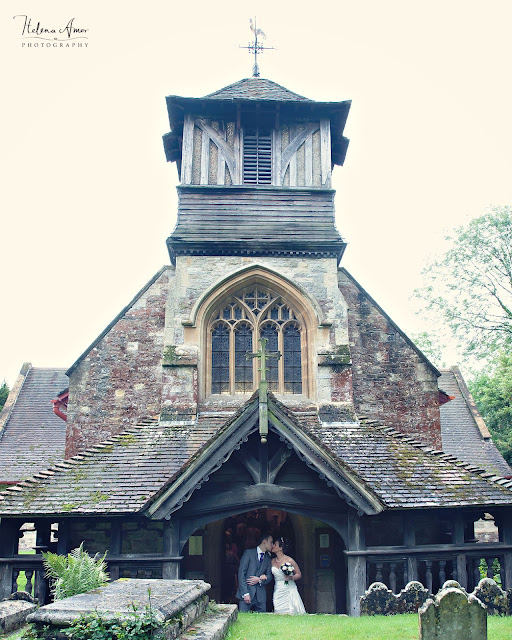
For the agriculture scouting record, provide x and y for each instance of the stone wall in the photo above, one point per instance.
(391, 382)
(119, 381)
(312, 280)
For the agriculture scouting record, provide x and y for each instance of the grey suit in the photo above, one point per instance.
(251, 566)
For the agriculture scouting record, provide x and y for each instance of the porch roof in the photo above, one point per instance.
(126, 473)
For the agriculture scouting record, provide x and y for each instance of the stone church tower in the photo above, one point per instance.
(255, 253)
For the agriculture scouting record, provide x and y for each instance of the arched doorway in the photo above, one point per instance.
(213, 553)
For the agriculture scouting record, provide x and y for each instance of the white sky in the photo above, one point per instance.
(88, 198)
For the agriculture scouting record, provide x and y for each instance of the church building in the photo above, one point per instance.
(253, 385)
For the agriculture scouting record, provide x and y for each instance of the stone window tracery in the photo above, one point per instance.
(235, 327)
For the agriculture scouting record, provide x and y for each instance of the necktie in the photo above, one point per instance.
(261, 557)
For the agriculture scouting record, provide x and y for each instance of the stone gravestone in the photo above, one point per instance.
(453, 615)
(13, 613)
(378, 600)
(179, 603)
(495, 599)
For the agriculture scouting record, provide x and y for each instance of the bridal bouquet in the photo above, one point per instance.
(288, 569)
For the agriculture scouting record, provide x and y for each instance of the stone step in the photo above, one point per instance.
(213, 624)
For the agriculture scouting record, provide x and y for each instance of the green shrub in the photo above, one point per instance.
(140, 625)
(75, 573)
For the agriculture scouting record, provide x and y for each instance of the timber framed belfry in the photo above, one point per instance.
(254, 384)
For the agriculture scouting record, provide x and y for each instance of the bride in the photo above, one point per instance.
(286, 596)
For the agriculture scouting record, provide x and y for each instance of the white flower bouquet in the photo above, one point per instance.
(288, 569)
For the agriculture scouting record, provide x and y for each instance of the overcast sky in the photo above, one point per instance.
(88, 198)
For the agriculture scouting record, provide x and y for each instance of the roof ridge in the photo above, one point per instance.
(437, 453)
(14, 394)
(67, 463)
(263, 84)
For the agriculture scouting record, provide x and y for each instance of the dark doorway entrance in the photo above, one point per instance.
(213, 554)
(243, 531)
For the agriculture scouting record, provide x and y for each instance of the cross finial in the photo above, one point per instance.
(263, 354)
(255, 47)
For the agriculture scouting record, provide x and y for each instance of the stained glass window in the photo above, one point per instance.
(243, 367)
(292, 360)
(220, 359)
(236, 325)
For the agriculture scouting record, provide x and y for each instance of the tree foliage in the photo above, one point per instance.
(470, 286)
(429, 345)
(77, 572)
(493, 395)
(4, 392)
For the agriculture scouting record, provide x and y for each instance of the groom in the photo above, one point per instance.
(253, 574)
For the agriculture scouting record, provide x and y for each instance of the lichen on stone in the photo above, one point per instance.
(170, 356)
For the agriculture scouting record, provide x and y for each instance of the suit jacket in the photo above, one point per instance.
(251, 566)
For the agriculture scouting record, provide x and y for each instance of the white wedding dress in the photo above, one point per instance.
(286, 596)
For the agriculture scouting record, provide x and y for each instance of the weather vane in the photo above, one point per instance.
(255, 47)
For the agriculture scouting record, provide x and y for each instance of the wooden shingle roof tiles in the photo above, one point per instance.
(126, 473)
(463, 431)
(33, 437)
(257, 89)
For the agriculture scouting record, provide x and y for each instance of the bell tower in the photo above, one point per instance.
(254, 161)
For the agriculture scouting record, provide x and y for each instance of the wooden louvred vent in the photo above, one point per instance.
(257, 156)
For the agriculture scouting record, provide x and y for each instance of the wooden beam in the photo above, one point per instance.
(292, 147)
(221, 144)
(188, 150)
(205, 158)
(276, 463)
(260, 495)
(325, 151)
(252, 466)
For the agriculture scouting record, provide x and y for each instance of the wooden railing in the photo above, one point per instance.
(432, 570)
(122, 566)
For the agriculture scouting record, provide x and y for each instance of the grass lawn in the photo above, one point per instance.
(250, 626)
(22, 578)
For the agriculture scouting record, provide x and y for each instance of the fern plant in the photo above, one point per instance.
(74, 573)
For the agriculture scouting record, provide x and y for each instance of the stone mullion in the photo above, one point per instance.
(231, 360)
(304, 359)
(280, 363)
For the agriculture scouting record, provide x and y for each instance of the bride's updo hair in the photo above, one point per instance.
(284, 544)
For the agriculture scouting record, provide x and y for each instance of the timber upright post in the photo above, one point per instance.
(263, 386)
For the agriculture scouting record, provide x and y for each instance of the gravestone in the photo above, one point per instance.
(411, 598)
(495, 599)
(179, 603)
(378, 600)
(13, 614)
(454, 615)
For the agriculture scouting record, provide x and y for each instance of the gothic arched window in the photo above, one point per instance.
(235, 328)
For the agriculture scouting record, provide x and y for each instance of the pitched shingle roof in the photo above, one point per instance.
(463, 430)
(126, 473)
(404, 475)
(33, 437)
(256, 89)
(403, 472)
(118, 476)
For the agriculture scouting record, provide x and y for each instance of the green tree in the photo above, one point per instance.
(429, 345)
(493, 395)
(4, 392)
(470, 286)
